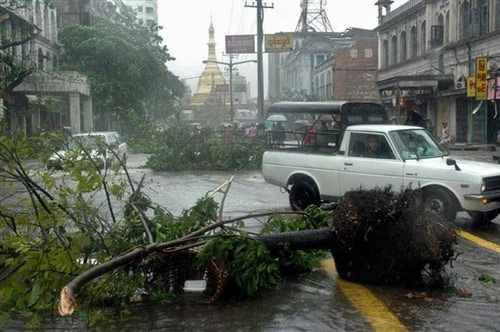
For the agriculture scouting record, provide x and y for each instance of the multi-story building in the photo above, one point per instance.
(47, 98)
(87, 12)
(354, 71)
(146, 11)
(295, 70)
(428, 50)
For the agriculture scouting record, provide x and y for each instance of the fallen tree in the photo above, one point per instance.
(61, 243)
(377, 236)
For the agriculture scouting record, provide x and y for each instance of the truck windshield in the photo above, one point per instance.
(416, 144)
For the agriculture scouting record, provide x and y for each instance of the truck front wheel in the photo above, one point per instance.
(302, 195)
(441, 202)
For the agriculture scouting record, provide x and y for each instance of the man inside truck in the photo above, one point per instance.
(374, 148)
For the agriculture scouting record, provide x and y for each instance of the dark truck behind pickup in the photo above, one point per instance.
(317, 125)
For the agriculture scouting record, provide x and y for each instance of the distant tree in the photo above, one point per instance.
(126, 66)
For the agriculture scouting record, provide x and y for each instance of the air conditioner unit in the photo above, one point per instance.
(460, 85)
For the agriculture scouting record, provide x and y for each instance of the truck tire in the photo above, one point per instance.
(441, 202)
(479, 217)
(303, 194)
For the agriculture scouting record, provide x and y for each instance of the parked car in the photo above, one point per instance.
(104, 149)
(379, 155)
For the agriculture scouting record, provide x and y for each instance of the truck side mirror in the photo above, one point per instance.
(453, 162)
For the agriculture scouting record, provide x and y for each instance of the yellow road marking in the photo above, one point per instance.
(479, 241)
(373, 310)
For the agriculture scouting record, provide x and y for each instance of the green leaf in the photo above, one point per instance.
(34, 295)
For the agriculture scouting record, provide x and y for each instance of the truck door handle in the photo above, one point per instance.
(348, 164)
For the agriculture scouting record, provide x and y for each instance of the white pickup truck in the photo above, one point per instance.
(367, 156)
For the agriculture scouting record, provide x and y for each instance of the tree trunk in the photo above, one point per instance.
(323, 238)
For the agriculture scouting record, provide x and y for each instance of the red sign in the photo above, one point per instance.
(240, 44)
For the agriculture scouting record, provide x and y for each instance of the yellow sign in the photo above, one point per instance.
(279, 42)
(471, 86)
(481, 81)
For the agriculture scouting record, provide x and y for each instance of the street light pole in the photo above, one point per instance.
(231, 108)
(230, 64)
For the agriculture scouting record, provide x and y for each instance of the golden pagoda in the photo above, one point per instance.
(211, 75)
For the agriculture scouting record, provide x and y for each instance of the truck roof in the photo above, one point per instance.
(334, 106)
(385, 128)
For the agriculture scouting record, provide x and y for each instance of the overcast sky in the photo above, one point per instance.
(185, 28)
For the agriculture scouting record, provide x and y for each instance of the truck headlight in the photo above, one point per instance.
(483, 187)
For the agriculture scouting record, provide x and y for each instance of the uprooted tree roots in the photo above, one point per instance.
(389, 238)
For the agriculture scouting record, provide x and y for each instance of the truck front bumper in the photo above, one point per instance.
(483, 202)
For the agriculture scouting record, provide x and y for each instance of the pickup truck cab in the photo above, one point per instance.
(379, 155)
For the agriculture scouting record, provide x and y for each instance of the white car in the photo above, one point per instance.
(102, 148)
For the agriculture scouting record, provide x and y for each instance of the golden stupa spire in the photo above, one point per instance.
(211, 75)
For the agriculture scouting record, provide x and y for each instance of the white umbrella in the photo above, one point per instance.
(276, 118)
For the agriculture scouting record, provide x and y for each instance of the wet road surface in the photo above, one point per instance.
(318, 301)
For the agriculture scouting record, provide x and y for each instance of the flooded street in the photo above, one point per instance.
(318, 301)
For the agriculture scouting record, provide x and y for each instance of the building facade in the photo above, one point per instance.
(428, 49)
(47, 98)
(146, 11)
(354, 71)
(295, 70)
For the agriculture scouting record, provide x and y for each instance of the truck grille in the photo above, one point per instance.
(492, 183)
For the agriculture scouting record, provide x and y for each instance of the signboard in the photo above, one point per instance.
(280, 42)
(481, 82)
(225, 88)
(471, 86)
(240, 44)
(239, 88)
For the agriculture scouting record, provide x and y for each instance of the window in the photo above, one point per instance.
(320, 59)
(394, 50)
(354, 53)
(40, 59)
(423, 36)
(447, 28)
(483, 11)
(53, 24)
(385, 54)
(369, 146)
(403, 46)
(413, 42)
(150, 10)
(139, 9)
(437, 34)
(150, 23)
(465, 21)
(368, 53)
(46, 24)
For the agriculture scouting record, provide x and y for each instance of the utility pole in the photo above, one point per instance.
(260, 64)
(230, 64)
